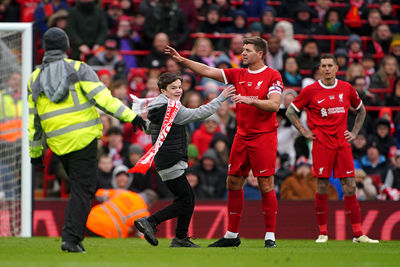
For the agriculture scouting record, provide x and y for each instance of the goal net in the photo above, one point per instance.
(15, 174)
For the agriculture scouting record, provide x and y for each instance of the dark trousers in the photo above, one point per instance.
(81, 168)
(182, 207)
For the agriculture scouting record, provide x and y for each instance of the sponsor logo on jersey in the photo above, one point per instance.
(331, 97)
(323, 112)
(331, 111)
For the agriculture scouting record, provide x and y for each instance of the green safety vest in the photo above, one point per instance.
(74, 122)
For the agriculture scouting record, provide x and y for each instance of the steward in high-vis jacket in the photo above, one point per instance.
(62, 97)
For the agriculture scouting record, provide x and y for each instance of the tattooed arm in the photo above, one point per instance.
(295, 120)
(359, 121)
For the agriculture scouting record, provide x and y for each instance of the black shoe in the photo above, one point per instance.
(184, 242)
(270, 243)
(147, 229)
(82, 247)
(226, 242)
(72, 247)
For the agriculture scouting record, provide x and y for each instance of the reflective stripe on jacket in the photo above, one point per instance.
(10, 118)
(114, 218)
(72, 123)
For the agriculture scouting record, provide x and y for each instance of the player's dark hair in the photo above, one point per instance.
(168, 78)
(259, 44)
(328, 56)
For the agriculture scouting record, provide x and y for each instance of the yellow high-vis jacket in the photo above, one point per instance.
(10, 117)
(72, 122)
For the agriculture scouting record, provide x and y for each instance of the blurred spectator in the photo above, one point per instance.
(203, 52)
(58, 19)
(188, 82)
(274, 57)
(396, 174)
(374, 163)
(285, 9)
(116, 147)
(359, 146)
(202, 137)
(86, 28)
(284, 31)
(354, 45)
(190, 11)
(386, 74)
(128, 40)
(44, 10)
(172, 65)
(121, 179)
(255, 29)
(386, 9)
(223, 62)
(146, 6)
(211, 176)
(394, 48)
(113, 13)
(315, 76)
(302, 185)
(192, 99)
(211, 24)
(239, 22)
(290, 74)
(393, 100)
(211, 89)
(104, 175)
(283, 170)
(342, 59)
(267, 19)
(157, 57)
(201, 7)
(309, 57)
(108, 58)
(193, 180)
(250, 189)
(373, 21)
(368, 98)
(127, 7)
(136, 81)
(356, 11)
(235, 51)
(368, 63)
(303, 15)
(383, 139)
(119, 89)
(151, 88)
(227, 121)
(193, 155)
(105, 77)
(353, 71)
(253, 8)
(9, 11)
(333, 24)
(365, 189)
(321, 8)
(220, 144)
(169, 18)
(386, 113)
(225, 7)
(381, 40)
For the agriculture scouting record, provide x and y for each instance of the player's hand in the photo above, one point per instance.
(309, 135)
(242, 99)
(173, 53)
(349, 136)
(229, 91)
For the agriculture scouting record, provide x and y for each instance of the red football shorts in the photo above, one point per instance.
(256, 153)
(339, 160)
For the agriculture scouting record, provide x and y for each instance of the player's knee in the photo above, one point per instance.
(234, 183)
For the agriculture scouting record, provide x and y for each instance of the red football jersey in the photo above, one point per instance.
(258, 85)
(327, 108)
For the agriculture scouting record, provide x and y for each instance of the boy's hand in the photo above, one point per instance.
(229, 91)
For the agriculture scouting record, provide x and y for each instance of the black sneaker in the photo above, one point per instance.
(147, 229)
(82, 247)
(72, 247)
(185, 242)
(270, 243)
(226, 242)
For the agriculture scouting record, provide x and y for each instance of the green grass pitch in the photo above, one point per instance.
(44, 251)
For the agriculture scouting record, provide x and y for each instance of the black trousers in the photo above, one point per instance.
(81, 168)
(182, 207)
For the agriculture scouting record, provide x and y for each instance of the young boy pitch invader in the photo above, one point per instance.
(170, 154)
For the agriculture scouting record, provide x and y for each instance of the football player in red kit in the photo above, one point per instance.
(327, 102)
(259, 89)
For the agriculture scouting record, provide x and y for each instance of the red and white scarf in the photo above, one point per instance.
(145, 162)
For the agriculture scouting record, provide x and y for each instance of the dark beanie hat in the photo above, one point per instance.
(55, 39)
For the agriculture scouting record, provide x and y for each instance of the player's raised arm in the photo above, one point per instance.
(196, 67)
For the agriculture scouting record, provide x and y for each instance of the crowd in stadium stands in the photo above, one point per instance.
(124, 41)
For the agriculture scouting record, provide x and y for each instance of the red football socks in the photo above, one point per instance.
(321, 211)
(235, 207)
(270, 207)
(353, 212)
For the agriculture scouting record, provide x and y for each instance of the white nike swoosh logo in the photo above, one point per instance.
(320, 101)
(349, 172)
(241, 82)
(233, 213)
(263, 171)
